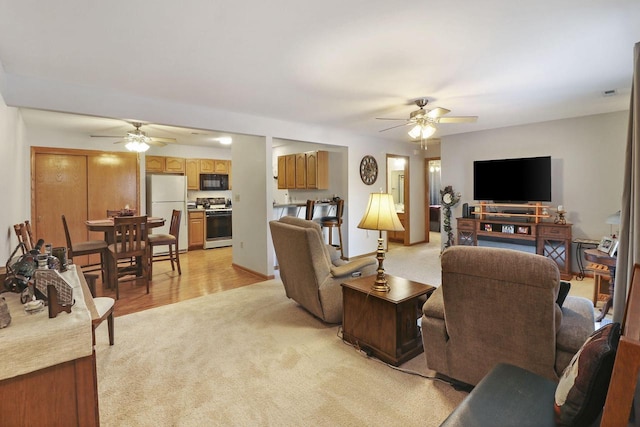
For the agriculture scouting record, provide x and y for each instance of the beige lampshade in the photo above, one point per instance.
(381, 214)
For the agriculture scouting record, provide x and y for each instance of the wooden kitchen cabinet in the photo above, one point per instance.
(161, 164)
(308, 170)
(154, 164)
(192, 171)
(207, 166)
(221, 166)
(196, 229)
(317, 163)
(174, 165)
(301, 171)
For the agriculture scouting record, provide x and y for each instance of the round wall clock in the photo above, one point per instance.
(368, 170)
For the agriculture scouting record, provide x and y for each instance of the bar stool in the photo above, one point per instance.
(335, 221)
(308, 215)
(171, 240)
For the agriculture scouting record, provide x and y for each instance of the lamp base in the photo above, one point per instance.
(380, 285)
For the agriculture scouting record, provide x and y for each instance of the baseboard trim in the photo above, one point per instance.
(264, 276)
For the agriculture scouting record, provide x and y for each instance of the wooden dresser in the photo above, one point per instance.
(48, 370)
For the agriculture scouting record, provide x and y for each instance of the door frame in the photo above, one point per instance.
(427, 208)
(406, 192)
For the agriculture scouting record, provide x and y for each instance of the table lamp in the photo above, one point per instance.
(613, 219)
(381, 215)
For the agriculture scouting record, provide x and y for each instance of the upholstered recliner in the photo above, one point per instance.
(499, 305)
(310, 271)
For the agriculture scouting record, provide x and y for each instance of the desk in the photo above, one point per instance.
(106, 226)
(599, 257)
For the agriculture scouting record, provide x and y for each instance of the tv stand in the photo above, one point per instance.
(550, 239)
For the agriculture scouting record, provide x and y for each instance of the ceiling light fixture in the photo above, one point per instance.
(137, 141)
(224, 140)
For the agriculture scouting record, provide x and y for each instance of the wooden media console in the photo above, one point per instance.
(550, 239)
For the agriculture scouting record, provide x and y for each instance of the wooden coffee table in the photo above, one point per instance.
(384, 323)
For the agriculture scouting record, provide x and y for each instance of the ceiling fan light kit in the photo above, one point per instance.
(137, 140)
(424, 121)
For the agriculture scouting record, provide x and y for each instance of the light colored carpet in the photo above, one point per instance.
(250, 356)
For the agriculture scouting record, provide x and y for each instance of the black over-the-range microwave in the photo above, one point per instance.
(214, 182)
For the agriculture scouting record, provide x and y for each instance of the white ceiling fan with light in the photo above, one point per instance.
(137, 140)
(424, 121)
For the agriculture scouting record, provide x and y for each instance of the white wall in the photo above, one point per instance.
(16, 187)
(587, 156)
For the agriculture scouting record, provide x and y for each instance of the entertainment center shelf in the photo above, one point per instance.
(534, 212)
(550, 239)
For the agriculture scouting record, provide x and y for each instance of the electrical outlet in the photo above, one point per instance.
(236, 197)
(241, 245)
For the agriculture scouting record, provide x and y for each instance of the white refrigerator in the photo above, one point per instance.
(164, 194)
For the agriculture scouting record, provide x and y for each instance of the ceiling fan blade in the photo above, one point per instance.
(163, 140)
(105, 136)
(459, 119)
(397, 126)
(158, 142)
(437, 112)
(388, 118)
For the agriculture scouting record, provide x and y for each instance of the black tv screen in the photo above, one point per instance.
(512, 180)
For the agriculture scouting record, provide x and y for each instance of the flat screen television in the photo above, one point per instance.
(512, 180)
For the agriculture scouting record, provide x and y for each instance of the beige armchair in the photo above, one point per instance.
(310, 271)
(499, 305)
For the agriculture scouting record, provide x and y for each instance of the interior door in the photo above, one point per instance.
(60, 188)
(81, 185)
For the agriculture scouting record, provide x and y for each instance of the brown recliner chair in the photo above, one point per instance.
(499, 305)
(310, 273)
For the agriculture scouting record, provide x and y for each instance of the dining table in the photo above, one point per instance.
(106, 226)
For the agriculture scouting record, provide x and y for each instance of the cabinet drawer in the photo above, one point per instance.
(561, 232)
(466, 224)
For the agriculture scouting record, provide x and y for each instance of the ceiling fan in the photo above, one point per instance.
(137, 140)
(424, 121)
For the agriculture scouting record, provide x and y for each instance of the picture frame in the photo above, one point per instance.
(613, 252)
(509, 229)
(488, 227)
(605, 244)
(523, 230)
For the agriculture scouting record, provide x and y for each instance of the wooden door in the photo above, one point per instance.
(59, 188)
(112, 184)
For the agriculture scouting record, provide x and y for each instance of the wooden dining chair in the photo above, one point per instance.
(88, 247)
(170, 240)
(133, 244)
(104, 307)
(23, 237)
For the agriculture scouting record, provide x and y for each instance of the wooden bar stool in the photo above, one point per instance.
(170, 240)
(332, 222)
(308, 215)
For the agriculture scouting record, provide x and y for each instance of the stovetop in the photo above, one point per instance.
(213, 203)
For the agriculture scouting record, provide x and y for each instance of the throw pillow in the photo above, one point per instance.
(582, 389)
(563, 292)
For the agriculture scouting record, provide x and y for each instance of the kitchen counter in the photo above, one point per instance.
(299, 209)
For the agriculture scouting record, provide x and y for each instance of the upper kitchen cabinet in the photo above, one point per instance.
(308, 170)
(207, 166)
(161, 164)
(317, 163)
(193, 174)
(194, 167)
(221, 166)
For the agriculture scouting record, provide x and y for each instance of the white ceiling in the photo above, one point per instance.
(335, 63)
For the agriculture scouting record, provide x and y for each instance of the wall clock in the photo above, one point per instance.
(368, 170)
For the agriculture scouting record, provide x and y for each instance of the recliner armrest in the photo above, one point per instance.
(351, 267)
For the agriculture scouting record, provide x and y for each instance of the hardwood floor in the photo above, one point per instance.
(203, 272)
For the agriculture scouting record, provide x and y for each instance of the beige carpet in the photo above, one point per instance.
(250, 356)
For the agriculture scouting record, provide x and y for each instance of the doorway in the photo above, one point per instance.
(432, 187)
(398, 187)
